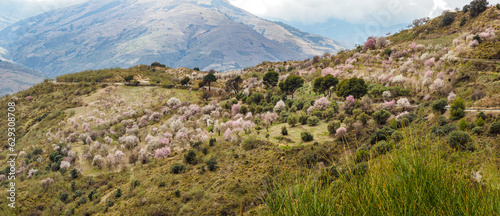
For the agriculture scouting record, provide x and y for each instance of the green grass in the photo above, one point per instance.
(319, 132)
(415, 179)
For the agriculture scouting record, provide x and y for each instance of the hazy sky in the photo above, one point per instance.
(306, 12)
(384, 12)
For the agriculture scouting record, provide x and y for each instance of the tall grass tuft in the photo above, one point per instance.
(414, 179)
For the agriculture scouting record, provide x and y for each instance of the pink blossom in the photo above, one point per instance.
(162, 152)
(473, 43)
(227, 134)
(341, 131)
(349, 102)
(428, 73)
(327, 71)
(451, 97)
(270, 117)
(28, 98)
(164, 141)
(236, 108)
(322, 103)
(389, 104)
(87, 128)
(369, 44)
(429, 62)
(413, 45)
(440, 75)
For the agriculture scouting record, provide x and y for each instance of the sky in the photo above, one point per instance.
(351, 21)
(382, 12)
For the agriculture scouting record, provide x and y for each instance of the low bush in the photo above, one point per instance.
(459, 140)
(306, 136)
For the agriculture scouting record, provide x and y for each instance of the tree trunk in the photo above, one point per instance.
(209, 86)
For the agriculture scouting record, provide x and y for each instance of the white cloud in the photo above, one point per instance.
(385, 12)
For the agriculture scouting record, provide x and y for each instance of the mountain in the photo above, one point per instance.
(7, 19)
(121, 33)
(14, 78)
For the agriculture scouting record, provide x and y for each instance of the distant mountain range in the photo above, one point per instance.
(14, 77)
(121, 33)
(7, 19)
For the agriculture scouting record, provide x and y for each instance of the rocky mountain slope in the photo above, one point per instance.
(7, 19)
(111, 33)
(14, 78)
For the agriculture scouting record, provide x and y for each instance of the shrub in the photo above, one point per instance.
(82, 200)
(440, 105)
(212, 164)
(134, 183)
(212, 141)
(306, 136)
(463, 20)
(333, 126)
(110, 203)
(381, 116)
(361, 156)
(249, 143)
(448, 18)
(495, 128)
(382, 147)
(457, 109)
(443, 130)
(462, 125)
(459, 140)
(64, 196)
(190, 157)
(477, 130)
(292, 120)
(118, 193)
(481, 115)
(397, 136)
(363, 117)
(442, 120)
(381, 134)
(303, 118)
(177, 168)
(284, 131)
(313, 121)
(177, 193)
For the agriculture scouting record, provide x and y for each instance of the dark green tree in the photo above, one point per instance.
(440, 106)
(209, 78)
(128, 78)
(271, 78)
(329, 83)
(448, 18)
(291, 84)
(185, 81)
(477, 6)
(318, 85)
(354, 86)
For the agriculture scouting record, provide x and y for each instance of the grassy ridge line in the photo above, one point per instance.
(415, 179)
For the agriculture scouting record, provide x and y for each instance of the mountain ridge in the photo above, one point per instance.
(152, 30)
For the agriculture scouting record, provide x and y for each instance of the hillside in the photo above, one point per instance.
(14, 78)
(389, 128)
(111, 33)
